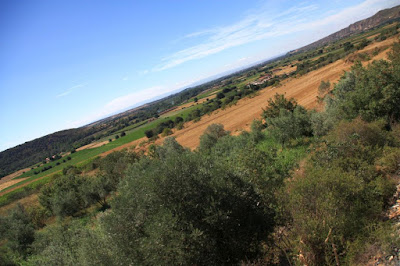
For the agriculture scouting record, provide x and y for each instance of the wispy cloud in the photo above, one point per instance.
(333, 22)
(136, 98)
(71, 89)
(143, 72)
(253, 27)
(262, 25)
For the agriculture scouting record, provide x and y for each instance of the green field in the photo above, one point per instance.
(136, 131)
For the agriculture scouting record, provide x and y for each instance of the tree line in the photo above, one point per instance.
(235, 199)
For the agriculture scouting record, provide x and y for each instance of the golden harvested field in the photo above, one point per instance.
(239, 117)
(92, 145)
(30, 200)
(304, 89)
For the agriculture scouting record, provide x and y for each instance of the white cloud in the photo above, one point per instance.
(344, 18)
(261, 25)
(71, 89)
(253, 27)
(143, 72)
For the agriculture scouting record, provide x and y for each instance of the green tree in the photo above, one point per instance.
(211, 136)
(63, 197)
(18, 229)
(186, 210)
(149, 133)
(166, 132)
(275, 105)
(290, 125)
(96, 190)
(371, 92)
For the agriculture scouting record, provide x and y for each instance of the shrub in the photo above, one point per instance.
(324, 87)
(211, 136)
(18, 229)
(290, 125)
(166, 132)
(256, 128)
(186, 210)
(275, 105)
(62, 197)
(149, 133)
(220, 95)
(332, 208)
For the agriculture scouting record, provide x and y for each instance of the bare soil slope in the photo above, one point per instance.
(239, 117)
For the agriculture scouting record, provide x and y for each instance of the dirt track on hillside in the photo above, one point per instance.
(7, 178)
(239, 117)
(304, 89)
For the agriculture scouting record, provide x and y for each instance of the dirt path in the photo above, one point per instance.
(11, 182)
(25, 184)
(239, 117)
(30, 200)
(13, 175)
(92, 145)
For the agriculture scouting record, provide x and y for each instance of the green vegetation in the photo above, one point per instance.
(300, 188)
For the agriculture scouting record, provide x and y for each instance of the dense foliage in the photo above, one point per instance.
(300, 188)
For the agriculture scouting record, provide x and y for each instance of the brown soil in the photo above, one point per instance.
(286, 70)
(92, 145)
(27, 201)
(11, 182)
(27, 183)
(239, 117)
(186, 105)
(13, 175)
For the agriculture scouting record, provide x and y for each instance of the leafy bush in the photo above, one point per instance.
(186, 210)
(370, 92)
(332, 208)
(275, 105)
(63, 197)
(18, 229)
(211, 136)
(290, 125)
(166, 132)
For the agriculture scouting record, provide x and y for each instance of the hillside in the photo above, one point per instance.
(383, 16)
(305, 187)
(33, 152)
(294, 161)
(37, 150)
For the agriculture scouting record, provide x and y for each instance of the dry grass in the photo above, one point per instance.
(28, 201)
(92, 145)
(239, 117)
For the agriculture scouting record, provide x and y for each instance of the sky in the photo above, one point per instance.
(64, 64)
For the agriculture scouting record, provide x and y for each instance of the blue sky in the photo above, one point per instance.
(64, 64)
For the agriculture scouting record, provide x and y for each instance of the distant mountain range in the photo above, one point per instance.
(382, 17)
(34, 151)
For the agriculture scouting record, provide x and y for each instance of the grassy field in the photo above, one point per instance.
(80, 158)
(136, 131)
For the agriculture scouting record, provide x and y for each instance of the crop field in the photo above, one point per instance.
(235, 118)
